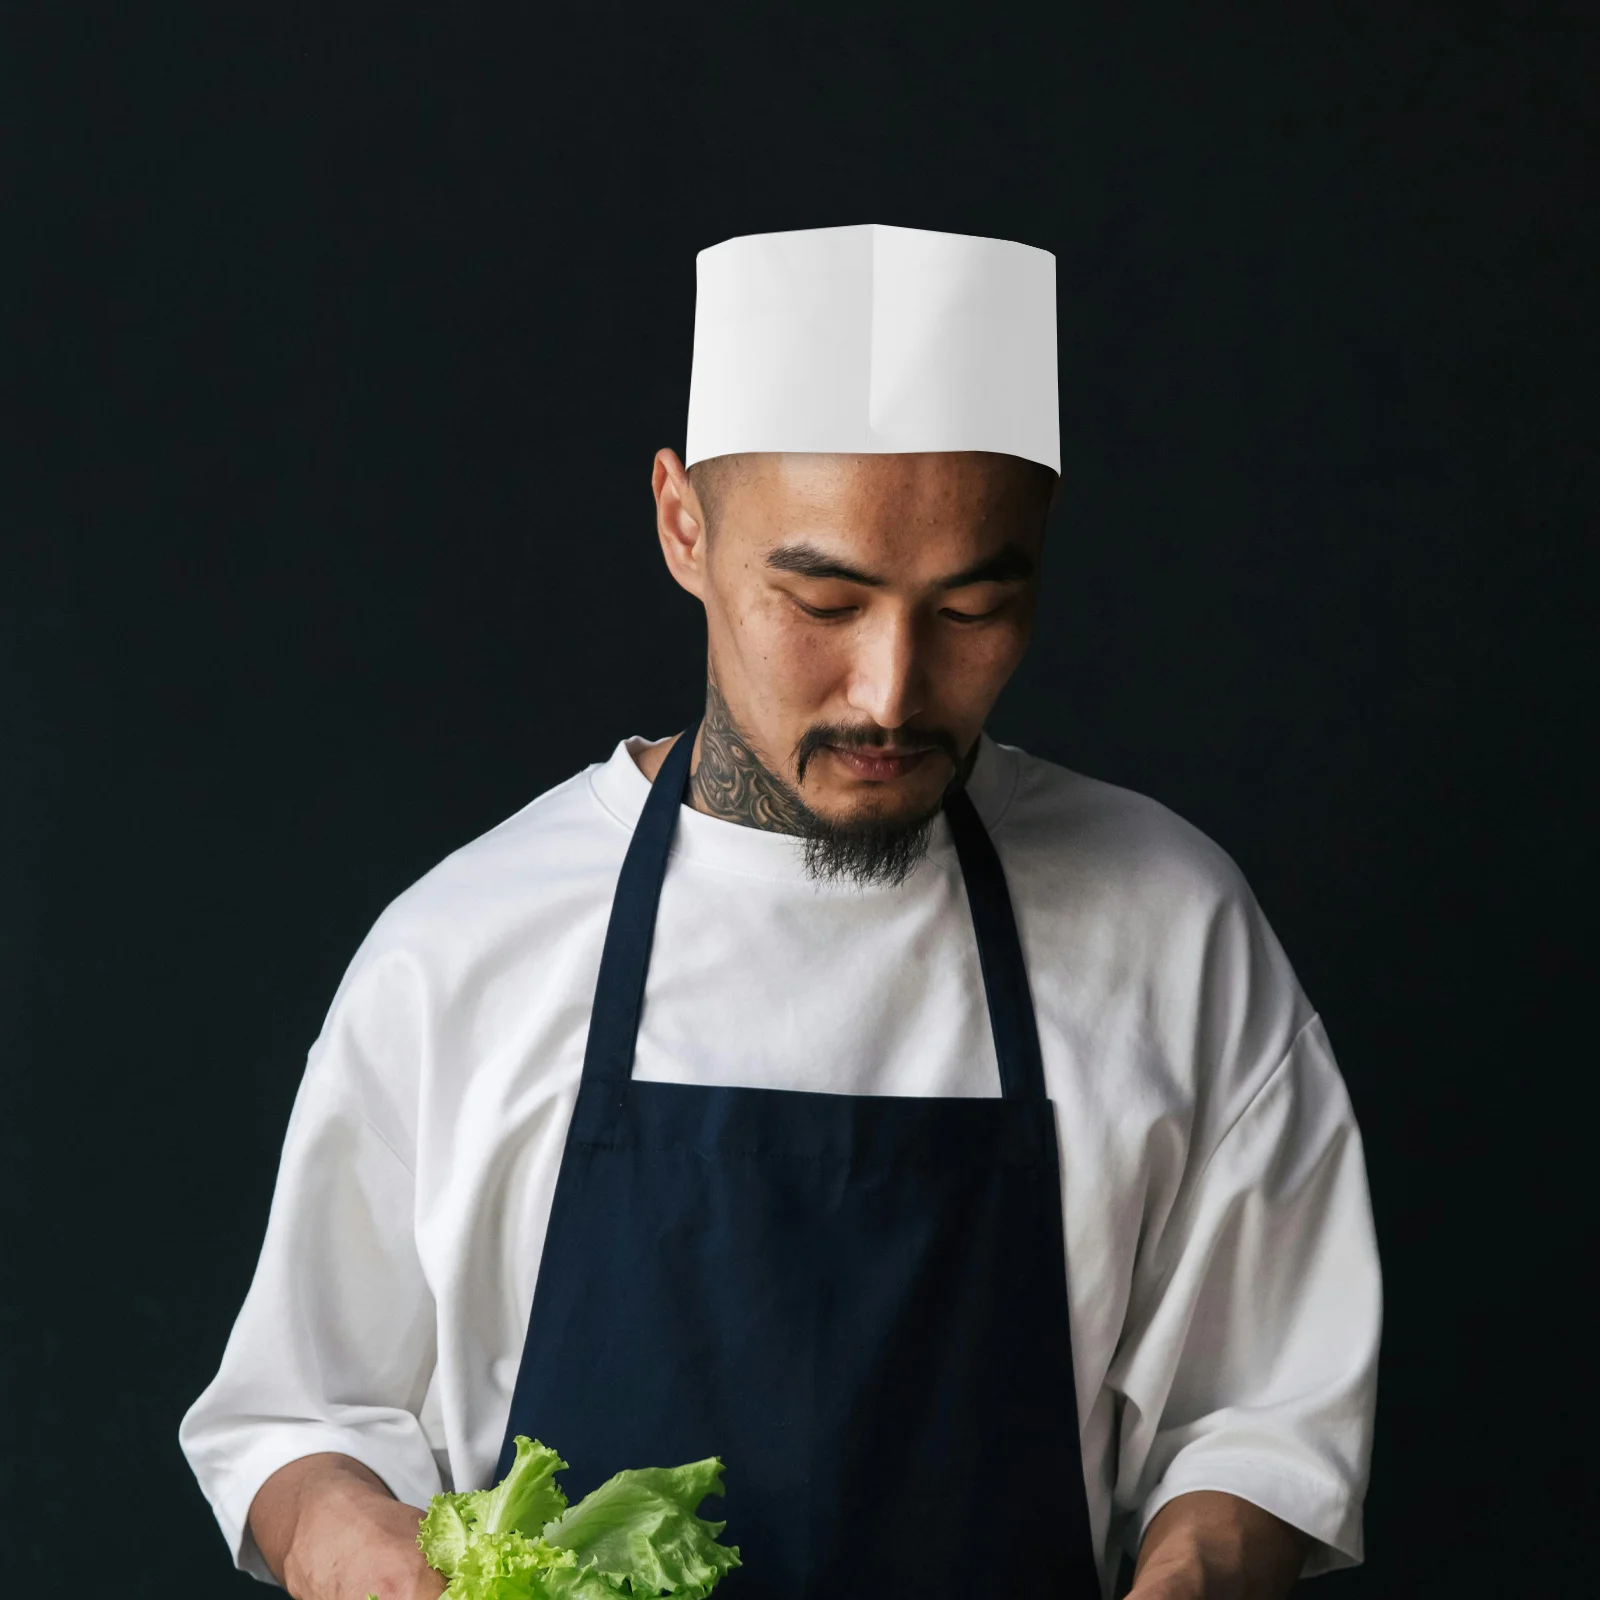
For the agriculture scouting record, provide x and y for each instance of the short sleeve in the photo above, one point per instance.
(1249, 1357)
(334, 1347)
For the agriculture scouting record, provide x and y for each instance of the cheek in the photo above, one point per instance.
(793, 659)
(970, 669)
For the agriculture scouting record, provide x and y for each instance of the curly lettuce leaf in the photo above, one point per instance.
(508, 1566)
(522, 1502)
(527, 1497)
(638, 1531)
(443, 1533)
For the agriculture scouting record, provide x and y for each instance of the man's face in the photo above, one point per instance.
(863, 612)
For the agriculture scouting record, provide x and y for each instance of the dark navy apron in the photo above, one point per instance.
(858, 1301)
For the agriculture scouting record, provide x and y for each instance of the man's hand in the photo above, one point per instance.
(1213, 1546)
(330, 1530)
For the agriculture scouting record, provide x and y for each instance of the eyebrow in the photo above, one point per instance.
(1009, 564)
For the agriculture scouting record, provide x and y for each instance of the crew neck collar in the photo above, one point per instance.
(621, 789)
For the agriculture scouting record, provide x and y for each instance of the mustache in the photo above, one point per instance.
(871, 737)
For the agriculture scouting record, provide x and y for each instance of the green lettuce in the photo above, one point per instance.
(522, 1502)
(636, 1535)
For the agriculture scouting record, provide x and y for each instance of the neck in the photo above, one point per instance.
(730, 783)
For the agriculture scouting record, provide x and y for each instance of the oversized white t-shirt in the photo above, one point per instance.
(1221, 1265)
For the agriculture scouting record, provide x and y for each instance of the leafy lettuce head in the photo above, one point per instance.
(636, 1535)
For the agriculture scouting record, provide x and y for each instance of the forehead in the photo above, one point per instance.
(966, 497)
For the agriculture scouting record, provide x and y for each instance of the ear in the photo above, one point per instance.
(680, 522)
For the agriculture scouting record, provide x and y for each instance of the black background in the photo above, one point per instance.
(339, 346)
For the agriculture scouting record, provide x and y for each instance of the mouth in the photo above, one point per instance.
(881, 764)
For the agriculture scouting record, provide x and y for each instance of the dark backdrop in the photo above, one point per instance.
(339, 348)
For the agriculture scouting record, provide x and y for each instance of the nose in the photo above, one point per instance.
(886, 674)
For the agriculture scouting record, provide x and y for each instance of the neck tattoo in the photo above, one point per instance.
(732, 784)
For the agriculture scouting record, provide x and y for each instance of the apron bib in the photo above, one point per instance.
(859, 1302)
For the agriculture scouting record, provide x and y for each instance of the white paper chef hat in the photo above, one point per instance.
(871, 339)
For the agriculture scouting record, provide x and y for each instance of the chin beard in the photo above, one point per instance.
(866, 853)
(871, 850)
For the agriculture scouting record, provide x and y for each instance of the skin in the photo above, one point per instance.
(1213, 1546)
(807, 666)
(329, 1529)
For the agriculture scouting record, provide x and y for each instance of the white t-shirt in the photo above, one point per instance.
(1222, 1270)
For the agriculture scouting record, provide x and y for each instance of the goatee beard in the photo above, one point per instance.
(874, 850)
(868, 854)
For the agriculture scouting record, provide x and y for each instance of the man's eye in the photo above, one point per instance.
(824, 613)
(970, 616)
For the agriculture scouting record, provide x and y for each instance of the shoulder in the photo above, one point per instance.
(498, 894)
(1100, 839)
(1132, 912)
(456, 958)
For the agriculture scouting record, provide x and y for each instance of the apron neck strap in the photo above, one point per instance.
(625, 959)
(1005, 973)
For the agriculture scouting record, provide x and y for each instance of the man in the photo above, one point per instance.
(938, 1135)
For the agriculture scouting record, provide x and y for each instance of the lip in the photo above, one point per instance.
(878, 768)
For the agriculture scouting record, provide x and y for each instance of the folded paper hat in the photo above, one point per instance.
(872, 339)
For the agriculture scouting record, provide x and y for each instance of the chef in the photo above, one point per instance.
(937, 1135)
